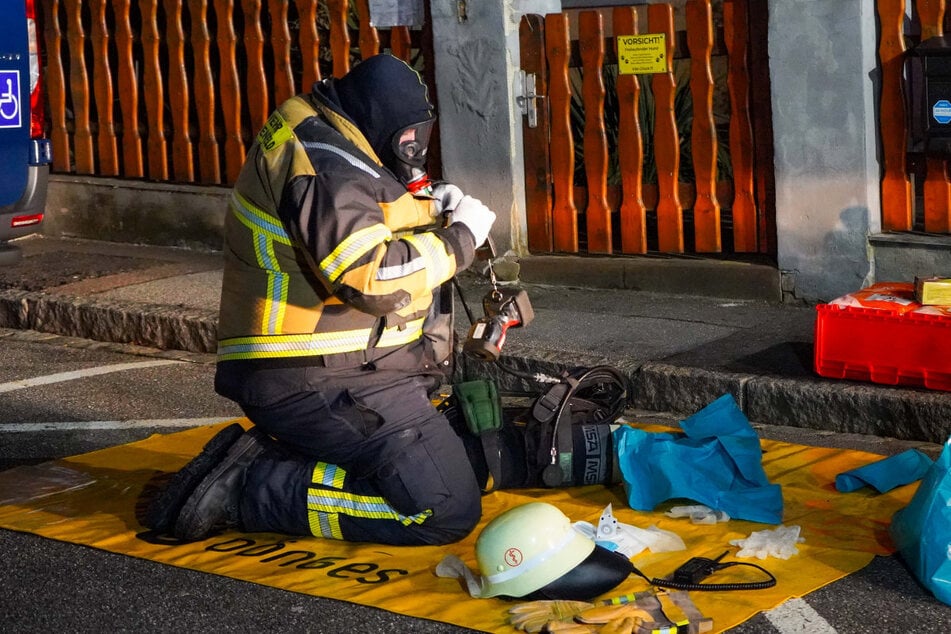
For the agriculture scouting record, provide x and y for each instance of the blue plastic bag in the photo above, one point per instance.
(717, 462)
(922, 530)
(886, 474)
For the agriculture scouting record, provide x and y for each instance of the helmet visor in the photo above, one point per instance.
(600, 571)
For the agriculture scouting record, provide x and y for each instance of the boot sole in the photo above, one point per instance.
(164, 509)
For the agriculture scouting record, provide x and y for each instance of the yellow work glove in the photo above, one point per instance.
(535, 615)
(567, 627)
(604, 614)
(626, 625)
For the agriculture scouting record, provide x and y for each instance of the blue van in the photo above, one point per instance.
(25, 153)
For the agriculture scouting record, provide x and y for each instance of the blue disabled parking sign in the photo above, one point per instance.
(10, 99)
(941, 111)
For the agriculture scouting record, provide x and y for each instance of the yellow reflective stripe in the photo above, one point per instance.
(275, 301)
(265, 346)
(352, 248)
(433, 250)
(258, 220)
(324, 525)
(265, 231)
(329, 475)
(396, 337)
(315, 344)
(364, 506)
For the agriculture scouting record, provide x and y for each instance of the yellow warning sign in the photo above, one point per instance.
(642, 54)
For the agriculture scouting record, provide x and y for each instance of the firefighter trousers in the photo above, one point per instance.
(363, 463)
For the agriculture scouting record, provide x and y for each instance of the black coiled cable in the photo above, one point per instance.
(714, 587)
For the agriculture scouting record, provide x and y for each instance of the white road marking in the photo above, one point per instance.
(795, 616)
(81, 374)
(113, 424)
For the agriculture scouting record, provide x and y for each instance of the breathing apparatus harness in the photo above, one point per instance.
(595, 395)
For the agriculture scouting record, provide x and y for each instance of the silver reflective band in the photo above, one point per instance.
(349, 158)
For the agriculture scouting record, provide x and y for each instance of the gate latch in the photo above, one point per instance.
(527, 100)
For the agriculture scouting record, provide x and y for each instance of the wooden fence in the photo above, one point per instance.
(660, 152)
(916, 190)
(175, 90)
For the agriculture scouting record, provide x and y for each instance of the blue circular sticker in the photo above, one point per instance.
(941, 111)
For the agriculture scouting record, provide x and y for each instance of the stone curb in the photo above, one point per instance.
(192, 330)
(813, 403)
(810, 403)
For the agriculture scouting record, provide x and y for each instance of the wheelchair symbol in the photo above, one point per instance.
(9, 99)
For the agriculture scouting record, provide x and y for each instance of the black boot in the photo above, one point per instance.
(214, 503)
(164, 509)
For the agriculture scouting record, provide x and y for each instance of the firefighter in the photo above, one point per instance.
(335, 328)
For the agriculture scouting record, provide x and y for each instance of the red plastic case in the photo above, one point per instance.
(884, 347)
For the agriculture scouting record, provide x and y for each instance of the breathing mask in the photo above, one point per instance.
(410, 146)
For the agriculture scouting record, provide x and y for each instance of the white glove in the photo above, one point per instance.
(447, 197)
(475, 216)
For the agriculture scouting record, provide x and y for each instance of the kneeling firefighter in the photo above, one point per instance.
(335, 329)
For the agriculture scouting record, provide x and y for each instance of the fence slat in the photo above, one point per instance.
(257, 89)
(633, 214)
(401, 43)
(309, 42)
(535, 140)
(339, 36)
(706, 208)
(670, 234)
(281, 49)
(79, 88)
(937, 187)
(132, 165)
(736, 32)
(230, 88)
(896, 185)
(597, 212)
(209, 168)
(106, 144)
(564, 213)
(155, 95)
(369, 37)
(764, 173)
(183, 165)
(56, 87)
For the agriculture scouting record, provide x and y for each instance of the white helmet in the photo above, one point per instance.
(534, 549)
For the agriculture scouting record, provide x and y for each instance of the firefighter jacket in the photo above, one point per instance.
(329, 260)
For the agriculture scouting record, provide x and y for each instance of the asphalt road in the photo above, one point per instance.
(53, 586)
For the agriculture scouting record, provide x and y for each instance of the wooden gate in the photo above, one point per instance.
(176, 90)
(625, 163)
(916, 189)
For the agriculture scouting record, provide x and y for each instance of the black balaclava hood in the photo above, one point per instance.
(383, 96)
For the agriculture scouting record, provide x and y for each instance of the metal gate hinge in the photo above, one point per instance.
(527, 99)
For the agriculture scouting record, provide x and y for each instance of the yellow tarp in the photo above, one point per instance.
(93, 499)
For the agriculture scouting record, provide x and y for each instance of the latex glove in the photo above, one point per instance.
(535, 615)
(447, 197)
(779, 542)
(698, 514)
(475, 216)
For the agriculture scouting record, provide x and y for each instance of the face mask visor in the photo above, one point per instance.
(410, 146)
